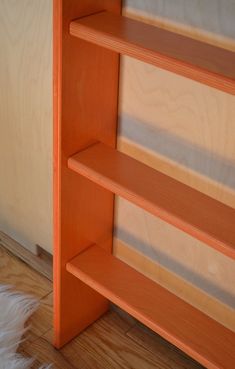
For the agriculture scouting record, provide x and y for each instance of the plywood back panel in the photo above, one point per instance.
(176, 284)
(26, 121)
(186, 130)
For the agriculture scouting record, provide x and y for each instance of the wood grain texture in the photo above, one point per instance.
(26, 122)
(201, 337)
(191, 211)
(42, 266)
(21, 276)
(108, 345)
(190, 58)
(82, 114)
(188, 19)
(179, 286)
(46, 354)
(42, 320)
(185, 130)
(173, 358)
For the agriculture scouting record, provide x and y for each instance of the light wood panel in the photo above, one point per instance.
(26, 121)
(185, 130)
(189, 18)
(182, 206)
(190, 58)
(222, 190)
(192, 331)
(176, 284)
(189, 258)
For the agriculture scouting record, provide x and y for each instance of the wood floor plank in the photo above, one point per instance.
(18, 274)
(45, 353)
(78, 360)
(42, 320)
(169, 354)
(105, 346)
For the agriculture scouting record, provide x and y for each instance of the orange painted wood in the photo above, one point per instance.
(78, 221)
(176, 203)
(190, 58)
(195, 333)
(83, 197)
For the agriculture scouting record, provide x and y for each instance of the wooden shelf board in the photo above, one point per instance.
(195, 333)
(185, 56)
(176, 203)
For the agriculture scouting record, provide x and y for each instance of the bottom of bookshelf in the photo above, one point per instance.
(201, 337)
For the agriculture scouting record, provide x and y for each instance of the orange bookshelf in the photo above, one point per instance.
(89, 37)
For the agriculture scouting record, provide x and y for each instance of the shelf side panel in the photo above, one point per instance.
(78, 221)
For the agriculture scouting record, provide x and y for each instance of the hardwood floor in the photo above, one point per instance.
(114, 341)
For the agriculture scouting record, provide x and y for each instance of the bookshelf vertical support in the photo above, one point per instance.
(85, 111)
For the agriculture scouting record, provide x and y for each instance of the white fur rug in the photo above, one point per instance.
(15, 309)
